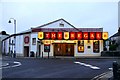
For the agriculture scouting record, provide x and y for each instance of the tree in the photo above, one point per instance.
(113, 45)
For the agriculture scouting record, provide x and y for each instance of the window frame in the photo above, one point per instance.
(33, 41)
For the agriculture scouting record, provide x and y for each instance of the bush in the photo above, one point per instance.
(113, 47)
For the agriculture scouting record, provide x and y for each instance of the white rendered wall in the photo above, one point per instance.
(26, 44)
(19, 45)
(33, 47)
(56, 25)
(7, 46)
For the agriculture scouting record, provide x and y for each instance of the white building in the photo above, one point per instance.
(58, 38)
(3, 35)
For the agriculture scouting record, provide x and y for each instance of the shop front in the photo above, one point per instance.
(72, 43)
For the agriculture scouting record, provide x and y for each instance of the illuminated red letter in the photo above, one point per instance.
(53, 35)
(92, 35)
(47, 35)
(72, 35)
(98, 35)
(59, 35)
(85, 35)
(79, 35)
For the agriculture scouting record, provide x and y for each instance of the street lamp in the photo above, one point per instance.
(10, 21)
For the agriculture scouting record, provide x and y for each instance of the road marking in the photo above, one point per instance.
(5, 65)
(17, 64)
(87, 65)
(99, 77)
(110, 69)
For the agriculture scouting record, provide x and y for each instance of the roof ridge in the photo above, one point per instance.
(56, 21)
(49, 23)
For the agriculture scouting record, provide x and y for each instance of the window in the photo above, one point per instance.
(96, 46)
(33, 41)
(81, 46)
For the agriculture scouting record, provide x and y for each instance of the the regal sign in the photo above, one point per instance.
(73, 35)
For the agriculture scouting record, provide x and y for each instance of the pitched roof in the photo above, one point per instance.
(54, 22)
(24, 32)
(40, 27)
(115, 35)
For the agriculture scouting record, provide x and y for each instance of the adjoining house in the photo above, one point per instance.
(3, 35)
(115, 40)
(57, 38)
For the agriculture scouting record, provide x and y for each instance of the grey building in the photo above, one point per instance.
(115, 39)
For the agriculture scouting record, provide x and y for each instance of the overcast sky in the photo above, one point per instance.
(80, 13)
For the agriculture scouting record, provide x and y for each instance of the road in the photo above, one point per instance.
(56, 68)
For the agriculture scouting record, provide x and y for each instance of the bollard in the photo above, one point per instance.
(14, 55)
(115, 69)
(36, 55)
(118, 71)
(42, 54)
(48, 55)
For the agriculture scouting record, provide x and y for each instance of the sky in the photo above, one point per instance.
(80, 13)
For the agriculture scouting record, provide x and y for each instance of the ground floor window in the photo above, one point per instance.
(81, 46)
(96, 46)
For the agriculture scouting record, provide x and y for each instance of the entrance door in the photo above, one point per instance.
(63, 49)
(69, 50)
(26, 51)
(57, 50)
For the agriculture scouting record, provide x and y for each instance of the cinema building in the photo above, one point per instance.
(57, 38)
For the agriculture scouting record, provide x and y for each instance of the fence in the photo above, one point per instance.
(110, 53)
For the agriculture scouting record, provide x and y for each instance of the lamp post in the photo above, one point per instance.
(10, 21)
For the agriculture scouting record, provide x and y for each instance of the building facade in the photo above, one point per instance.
(115, 40)
(57, 38)
(3, 35)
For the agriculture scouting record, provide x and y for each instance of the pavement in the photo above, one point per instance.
(83, 57)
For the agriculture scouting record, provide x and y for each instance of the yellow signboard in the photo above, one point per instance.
(105, 35)
(40, 35)
(66, 35)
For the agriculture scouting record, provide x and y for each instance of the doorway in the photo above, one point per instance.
(26, 51)
(63, 49)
